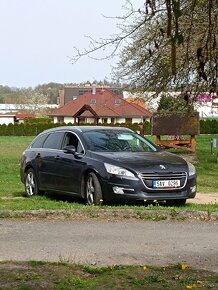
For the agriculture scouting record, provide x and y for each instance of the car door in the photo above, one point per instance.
(69, 166)
(46, 160)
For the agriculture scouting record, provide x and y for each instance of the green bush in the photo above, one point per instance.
(147, 128)
(37, 120)
(209, 126)
(31, 128)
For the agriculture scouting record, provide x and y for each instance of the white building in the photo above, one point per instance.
(13, 108)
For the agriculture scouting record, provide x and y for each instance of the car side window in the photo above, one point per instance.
(38, 143)
(53, 141)
(72, 139)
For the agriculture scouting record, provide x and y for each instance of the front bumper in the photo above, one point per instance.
(122, 189)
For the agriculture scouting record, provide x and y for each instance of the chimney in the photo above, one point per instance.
(93, 89)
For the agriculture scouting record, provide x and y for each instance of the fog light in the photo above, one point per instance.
(193, 189)
(120, 190)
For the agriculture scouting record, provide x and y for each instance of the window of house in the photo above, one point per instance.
(60, 119)
(104, 120)
(93, 101)
(112, 120)
(83, 91)
(128, 120)
(117, 102)
(82, 119)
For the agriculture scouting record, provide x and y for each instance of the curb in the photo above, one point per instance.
(111, 215)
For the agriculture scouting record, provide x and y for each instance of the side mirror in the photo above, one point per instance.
(70, 149)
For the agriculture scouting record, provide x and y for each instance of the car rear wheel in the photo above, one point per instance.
(31, 184)
(177, 202)
(93, 189)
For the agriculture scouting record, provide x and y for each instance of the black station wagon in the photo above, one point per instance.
(101, 163)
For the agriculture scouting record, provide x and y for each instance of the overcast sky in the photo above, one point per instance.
(38, 38)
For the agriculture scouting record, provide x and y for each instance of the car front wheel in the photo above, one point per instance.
(31, 184)
(93, 189)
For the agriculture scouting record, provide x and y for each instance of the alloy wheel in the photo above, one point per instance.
(30, 184)
(90, 190)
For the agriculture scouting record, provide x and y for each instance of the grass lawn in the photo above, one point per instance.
(60, 276)
(11, 148)
(207, 166)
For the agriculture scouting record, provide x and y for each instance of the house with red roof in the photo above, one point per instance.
(100, 106)
(7, 119)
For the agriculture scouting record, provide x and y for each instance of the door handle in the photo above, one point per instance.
(58, 157)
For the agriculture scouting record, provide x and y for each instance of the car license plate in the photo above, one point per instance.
(166, 183)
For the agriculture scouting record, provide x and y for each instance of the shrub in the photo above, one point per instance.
(38, 120)
(209, 126)
(31, 128)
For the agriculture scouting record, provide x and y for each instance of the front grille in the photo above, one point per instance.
(148, 179)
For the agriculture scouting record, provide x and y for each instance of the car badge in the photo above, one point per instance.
(162, 167)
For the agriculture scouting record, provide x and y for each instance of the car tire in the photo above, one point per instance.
(31, 183)
(176, 202)
(93, 189)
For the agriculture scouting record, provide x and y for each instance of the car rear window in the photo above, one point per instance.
(53, 140)
(38, 143)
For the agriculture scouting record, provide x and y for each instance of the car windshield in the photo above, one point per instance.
(117, 141)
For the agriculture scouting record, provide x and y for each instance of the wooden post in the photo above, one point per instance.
(193, 143)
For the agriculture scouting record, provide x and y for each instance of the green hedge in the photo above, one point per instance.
(33, 129)
(209, 126)
(24, 129)
(38, 120)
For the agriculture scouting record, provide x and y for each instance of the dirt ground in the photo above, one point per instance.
(205, 198)
(201, 197)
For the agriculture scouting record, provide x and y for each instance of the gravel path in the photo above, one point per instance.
(108, 243)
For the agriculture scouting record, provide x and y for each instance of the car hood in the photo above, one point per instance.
(144, 161)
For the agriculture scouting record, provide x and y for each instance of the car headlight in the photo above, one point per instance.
(191, 169)
(118, 170)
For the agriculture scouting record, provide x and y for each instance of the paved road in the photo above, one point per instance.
(108, 243)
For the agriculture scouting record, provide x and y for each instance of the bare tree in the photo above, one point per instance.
(164, 44)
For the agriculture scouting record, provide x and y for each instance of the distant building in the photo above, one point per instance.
(100, 106)
(7, 119)
(15, 108)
